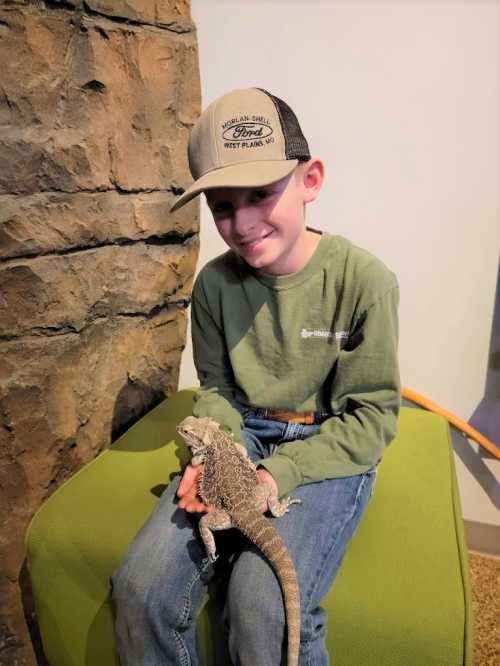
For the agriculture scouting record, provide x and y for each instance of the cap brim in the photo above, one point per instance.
(244, 174)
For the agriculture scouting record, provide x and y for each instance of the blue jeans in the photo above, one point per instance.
(159, 586)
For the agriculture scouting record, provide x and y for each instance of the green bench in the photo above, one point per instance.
(402, 596)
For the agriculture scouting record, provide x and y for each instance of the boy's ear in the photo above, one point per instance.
(312, 175)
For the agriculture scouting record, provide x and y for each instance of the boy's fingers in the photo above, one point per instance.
(188, 480)
(188, 496)
(193, 505)
(188, 492)
(196, 507)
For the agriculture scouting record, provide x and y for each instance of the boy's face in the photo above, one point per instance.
(264, 225)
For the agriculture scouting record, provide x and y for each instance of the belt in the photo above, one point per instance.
(306, 418)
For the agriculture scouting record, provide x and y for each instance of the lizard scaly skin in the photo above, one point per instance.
(229, 482)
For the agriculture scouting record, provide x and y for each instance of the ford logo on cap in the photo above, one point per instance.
(245, 131)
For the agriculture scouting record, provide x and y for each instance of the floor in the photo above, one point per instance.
(485, 581)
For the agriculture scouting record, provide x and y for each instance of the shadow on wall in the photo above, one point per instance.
(133, 401)
(28, 603)
(474, 462)
(486, 417)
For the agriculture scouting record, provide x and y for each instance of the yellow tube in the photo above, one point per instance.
(467, 429)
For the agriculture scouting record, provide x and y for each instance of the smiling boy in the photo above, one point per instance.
(295, 336)
(265, 226)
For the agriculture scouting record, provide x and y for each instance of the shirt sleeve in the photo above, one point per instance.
(365, 396)
(216, 395)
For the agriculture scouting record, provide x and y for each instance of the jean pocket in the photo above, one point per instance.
(373, 471)
(371, 475)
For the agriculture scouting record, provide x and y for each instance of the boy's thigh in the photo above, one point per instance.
(166, 553)
(316, 532)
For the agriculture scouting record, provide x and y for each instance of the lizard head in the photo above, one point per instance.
(196, 432)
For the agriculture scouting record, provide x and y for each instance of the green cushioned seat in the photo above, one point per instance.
(402, 594)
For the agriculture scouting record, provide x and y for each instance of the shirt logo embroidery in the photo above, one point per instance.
(324, 333)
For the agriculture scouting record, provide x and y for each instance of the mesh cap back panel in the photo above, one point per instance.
(296, 147)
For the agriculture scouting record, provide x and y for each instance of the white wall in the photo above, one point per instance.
(401, 101)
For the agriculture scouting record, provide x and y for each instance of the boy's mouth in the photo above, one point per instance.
(253, 243)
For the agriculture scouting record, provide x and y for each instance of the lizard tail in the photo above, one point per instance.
(260, 531)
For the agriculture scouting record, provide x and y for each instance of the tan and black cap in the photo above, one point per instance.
(246, 138)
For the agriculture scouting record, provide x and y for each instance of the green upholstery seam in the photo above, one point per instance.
(462, 553)
(45, 503)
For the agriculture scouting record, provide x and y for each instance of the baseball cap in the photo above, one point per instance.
(246, 138)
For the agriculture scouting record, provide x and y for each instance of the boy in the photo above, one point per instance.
(295, 337)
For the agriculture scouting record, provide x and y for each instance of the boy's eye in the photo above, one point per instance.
(225, 207)
(221, 207)
(259, 195)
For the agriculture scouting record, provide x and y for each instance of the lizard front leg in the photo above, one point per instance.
(264, 493)
(279, 508)
(209, 523)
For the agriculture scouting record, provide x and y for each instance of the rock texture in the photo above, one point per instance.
(96, 102)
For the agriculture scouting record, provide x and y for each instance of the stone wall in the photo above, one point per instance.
(96, 102)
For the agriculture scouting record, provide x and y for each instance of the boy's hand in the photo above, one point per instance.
(266, 477)
(188, 492)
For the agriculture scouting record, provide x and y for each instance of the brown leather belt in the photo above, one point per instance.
(306, 418)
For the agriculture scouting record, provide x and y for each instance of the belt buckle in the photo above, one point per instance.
(302, 418)
(306, 418)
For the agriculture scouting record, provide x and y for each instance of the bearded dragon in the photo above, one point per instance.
(228, 481)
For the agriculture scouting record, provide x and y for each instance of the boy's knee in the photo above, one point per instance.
(255, 613)
(254, 594)
(255, 603)
(143, 599)
(126, 590)
(159, 596)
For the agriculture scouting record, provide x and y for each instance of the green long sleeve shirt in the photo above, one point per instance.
(323, 338)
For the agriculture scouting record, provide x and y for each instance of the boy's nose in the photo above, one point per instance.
(244, 220)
